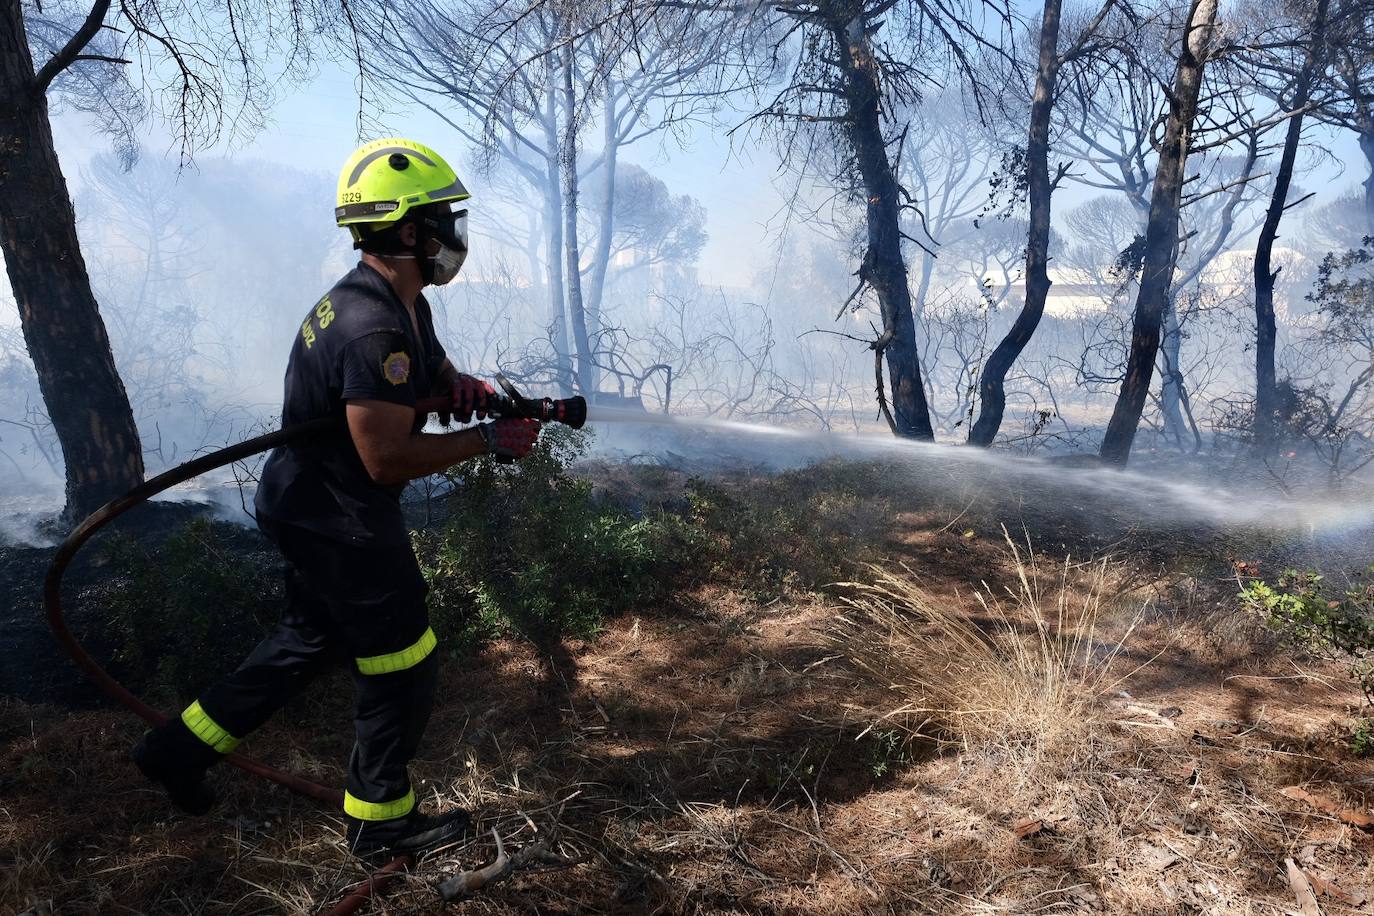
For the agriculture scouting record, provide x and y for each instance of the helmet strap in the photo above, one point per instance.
(385, 242)
(420, 250)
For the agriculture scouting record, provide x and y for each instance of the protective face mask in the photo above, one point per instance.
(447, 263)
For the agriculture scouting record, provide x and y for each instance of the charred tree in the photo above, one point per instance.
(1161, 232)
(1039, 188)
(991, 390)
(883, 267)
(66, 337)
(201, 67)
(857, 62)
(576, 312)
(1266, 422)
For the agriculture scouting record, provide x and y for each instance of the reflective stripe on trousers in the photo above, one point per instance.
(378, 811)
(207, 729)
(408, 657)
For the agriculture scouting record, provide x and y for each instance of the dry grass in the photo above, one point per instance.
(1060, 790)
(732, 756)
(1022, 670)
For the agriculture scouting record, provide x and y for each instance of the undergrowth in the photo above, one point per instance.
(1333, 622)
(188, 609)
(529, 549)
(715, 764)
(526, 550)
(793, 531)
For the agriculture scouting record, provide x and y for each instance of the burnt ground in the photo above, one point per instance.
(36, 668)
(722, 756)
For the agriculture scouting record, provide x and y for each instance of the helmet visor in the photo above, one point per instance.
(448, 223)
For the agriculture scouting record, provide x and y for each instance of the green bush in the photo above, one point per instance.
(1311, 615)
(1362, 738)
(527, 550)
(797, 530)
(188, 609)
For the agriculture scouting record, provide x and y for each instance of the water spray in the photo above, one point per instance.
(1145, 497)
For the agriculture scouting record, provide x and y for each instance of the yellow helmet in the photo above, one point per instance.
(383, 180)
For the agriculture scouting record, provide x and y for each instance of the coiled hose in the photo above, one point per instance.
(66, 552)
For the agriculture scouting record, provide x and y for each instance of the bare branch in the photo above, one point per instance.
(71, 51)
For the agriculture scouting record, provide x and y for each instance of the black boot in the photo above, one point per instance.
(415, 834)
(173, 757)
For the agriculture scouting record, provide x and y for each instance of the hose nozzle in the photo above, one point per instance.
(570, 411)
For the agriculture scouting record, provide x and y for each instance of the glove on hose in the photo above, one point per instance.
(509, 440)
(469, 397)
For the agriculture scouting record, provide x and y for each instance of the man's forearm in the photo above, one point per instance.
(444, 378)
(428, 453)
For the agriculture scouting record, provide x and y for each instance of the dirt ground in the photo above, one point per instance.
(728, 758)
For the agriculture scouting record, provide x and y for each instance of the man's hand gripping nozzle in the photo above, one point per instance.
(517, 419)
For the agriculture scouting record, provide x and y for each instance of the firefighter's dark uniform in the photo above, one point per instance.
(354, 587)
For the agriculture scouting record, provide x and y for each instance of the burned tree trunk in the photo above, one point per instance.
(1161, 233)
(61, 321)
(573, 266)
(883, 267)
(601, 255)
(991, 388)
(1266, 332)
(553, 219)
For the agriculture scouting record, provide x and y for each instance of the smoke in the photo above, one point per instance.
(26, 509)
(1170, 496)
(708, 306)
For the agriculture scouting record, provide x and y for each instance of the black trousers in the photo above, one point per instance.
(365, 604)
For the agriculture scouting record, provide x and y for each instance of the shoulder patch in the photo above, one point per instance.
(396, 368)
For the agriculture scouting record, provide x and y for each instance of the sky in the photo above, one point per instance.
(740, 184)
(314, 128)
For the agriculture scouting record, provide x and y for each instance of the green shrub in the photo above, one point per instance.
(888, 752)
(1311, 615)
(182, 612)
(796, 530)
(527, 550)
(1362, 738)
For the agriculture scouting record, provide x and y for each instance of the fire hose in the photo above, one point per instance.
(571, 411)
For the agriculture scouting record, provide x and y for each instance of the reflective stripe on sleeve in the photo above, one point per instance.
(379, 811)
(207, 729)
(408, 657)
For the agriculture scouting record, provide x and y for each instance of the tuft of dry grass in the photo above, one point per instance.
(1023, 670)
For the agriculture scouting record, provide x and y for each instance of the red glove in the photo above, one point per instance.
(469, 397)
(509, 440)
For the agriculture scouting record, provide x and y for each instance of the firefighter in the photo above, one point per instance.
(365, 354)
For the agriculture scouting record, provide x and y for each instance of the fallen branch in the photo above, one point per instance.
(1351, 816)
(466, 883)
(1156, 720)
(1302, 890)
